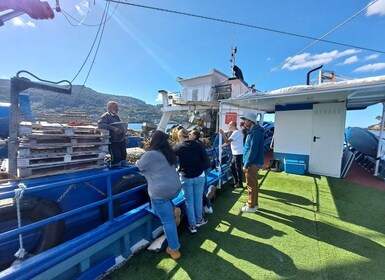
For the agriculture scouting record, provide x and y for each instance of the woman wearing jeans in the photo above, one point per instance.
(158, 167)
(192, 157)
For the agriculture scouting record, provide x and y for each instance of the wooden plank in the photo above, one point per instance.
(59, 169)
(50, 160)
(28, 128)
(58, 143)
(25, 152)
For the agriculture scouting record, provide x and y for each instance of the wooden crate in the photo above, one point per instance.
(47, 149)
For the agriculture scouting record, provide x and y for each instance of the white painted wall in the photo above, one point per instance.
(292, 132)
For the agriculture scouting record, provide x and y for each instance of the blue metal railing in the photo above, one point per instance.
(44, 187)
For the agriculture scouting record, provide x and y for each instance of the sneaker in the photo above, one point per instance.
(239, 185)
(174, 254)
(208, 210)
(177, 213)
(192, 229)
(247, 209)
(211, 192)
(202, 222)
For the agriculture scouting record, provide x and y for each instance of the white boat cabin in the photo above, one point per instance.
(199, 95)
(310, 120)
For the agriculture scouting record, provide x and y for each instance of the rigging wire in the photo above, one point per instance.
(103, 21)
(249, 25)
(81, 22)
(316, 41)
(103, 25)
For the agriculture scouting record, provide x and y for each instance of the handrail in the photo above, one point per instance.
(54, 185)
(67, 214)
(131, 170)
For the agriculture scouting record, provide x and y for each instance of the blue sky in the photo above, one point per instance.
(144, 50)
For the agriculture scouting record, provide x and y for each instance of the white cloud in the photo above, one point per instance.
(307, 60)
(159, 98)
(373, 56)
(350, 60)
(371, 67)
(376, 8)
(83, 7)
(17, 21)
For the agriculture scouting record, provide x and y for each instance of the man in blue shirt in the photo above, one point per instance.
(253, 160)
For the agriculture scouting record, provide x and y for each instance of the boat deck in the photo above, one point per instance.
(357, 174)
(307, 227)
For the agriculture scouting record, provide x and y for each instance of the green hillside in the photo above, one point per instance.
(86, 100)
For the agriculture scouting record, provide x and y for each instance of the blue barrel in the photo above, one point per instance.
(4, 119)
(5, 109)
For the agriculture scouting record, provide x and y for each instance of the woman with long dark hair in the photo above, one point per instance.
(192, 157)
(158, 167)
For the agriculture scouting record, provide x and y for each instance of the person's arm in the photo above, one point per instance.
(252, 152)
(143, 161)
(104, 123)
(225, 138)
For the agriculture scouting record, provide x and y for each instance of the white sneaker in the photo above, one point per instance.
(247, 209)
(208, 210)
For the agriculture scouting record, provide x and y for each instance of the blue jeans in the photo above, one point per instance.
(206, 201)
(193, 192)
(164, 208)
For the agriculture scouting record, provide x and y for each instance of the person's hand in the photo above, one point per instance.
(117, 130)
(245, 169)
(221, 131)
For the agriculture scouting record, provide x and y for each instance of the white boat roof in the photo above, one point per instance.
(358, 94)
(213, 77)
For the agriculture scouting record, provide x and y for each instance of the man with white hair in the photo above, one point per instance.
(111, 121)
(253, 160)
(236, 142)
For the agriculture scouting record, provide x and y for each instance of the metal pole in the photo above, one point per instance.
(13, 143)
(380, 141)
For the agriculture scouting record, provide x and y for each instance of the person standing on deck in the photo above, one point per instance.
(191, 157)
(158, 167)
(253, 160)
(236, 142)
(207, 192)
(111, 121)
(244, 130)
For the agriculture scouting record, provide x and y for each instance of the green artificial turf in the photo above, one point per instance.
(307, 227)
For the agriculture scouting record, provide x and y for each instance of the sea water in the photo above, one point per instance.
(135, 126)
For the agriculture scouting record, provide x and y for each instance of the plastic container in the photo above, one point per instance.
(294, 166)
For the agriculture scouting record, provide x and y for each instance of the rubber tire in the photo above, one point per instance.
(34, 209)
(126, 183)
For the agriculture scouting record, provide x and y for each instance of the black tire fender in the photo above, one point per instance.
(34, 209)
(124, 184)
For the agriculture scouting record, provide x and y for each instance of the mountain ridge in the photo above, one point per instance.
(86, 100)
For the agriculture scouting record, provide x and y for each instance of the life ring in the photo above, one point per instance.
(35, 241)
(125, 204)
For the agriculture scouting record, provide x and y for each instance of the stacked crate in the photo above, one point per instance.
(47, 149)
